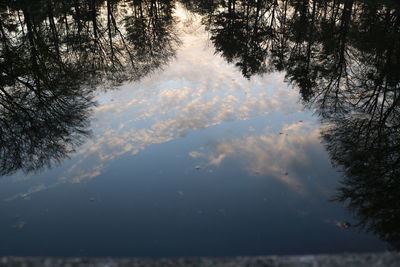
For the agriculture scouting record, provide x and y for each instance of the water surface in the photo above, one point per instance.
(198, 128)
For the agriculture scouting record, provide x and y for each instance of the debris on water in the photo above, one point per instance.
(344, 225)
(280, 133)
(19, 225)
(92, 199)
(341, 224)
(286, 173)
(300, 121)
(197, 167)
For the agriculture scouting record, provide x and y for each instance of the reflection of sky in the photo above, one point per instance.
(200, 149)
(196, 91)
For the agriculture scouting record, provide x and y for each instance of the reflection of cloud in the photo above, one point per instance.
(270, 154)
(195, 154)
(80, 175)
(30, 191)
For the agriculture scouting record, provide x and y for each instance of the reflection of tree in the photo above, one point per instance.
(344, 57)
(149, 29)
(204, 7)
(355, 91)
(39, 128)
(364, 133)
(369, 154)
(53, 54)
(99, 37)
(241, 33)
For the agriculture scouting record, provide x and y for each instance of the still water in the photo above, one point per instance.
(162, 128)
